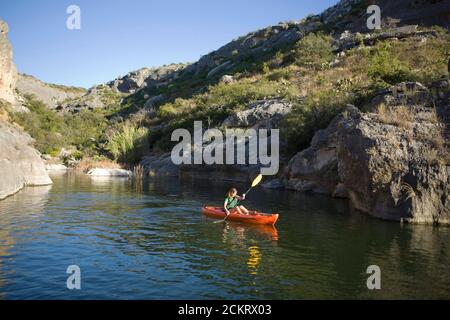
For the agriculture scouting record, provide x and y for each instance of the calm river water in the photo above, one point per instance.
(149, 240)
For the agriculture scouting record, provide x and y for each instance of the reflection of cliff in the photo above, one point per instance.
(415, 258)
(23, 206)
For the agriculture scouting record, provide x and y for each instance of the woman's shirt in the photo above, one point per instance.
(231, 203)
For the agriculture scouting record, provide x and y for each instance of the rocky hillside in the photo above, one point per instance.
(50, 94)
(111, 94)
(346, 15)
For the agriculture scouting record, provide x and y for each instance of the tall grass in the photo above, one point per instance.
(128, 144)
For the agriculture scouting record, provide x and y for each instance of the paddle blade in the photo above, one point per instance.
(257, 180)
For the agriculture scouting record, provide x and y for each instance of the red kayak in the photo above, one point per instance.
(254, 217)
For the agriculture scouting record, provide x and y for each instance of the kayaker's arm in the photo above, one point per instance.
(225, 204)
(241, 198)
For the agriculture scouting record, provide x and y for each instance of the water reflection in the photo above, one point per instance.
(16, 215)
(149, 240)
(240, 232)
(254, 259)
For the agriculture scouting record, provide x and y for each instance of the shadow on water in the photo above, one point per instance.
(147, 239)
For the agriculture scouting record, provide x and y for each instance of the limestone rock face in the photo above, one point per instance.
(393, 164)
(264, 113)
(315, 169)
(20, 164)
(389, 177)
(160, 165)
(7, 68)
(350, 14)
(51, 95)
(144, 77)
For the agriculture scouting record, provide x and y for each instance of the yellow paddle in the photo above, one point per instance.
(255, 182)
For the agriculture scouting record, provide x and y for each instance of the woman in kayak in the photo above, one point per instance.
(231, 202)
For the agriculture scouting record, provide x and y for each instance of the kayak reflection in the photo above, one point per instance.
(242, 232)
(254, 260)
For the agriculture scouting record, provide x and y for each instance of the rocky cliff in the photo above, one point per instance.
(393, 163)
(7, 68)
(20, 164)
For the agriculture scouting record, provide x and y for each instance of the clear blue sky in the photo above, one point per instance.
(120, 36)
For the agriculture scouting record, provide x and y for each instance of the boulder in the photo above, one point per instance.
(152, 101)
(264, 113)
(273, 184)
(100, 172)
(20, 164)
(159, 166)
(393, 165)
(223, 67)
(316, 168)
(227, 79)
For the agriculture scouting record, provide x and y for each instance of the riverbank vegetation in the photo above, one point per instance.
(53, 131)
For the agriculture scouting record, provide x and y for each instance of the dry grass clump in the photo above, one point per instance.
(4, 116)
(86, 164)
(431, 156)
(138, 171)
(399, 116)
(430, 116)
(408, 190)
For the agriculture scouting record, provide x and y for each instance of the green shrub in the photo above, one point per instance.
(245, 91)
(314, 51)
(278, 60)
(384, 66)
(129, 144)
(287, 73)
(44, 125)
(309, 115)
(85, 129)
(52, 131)
(222, 99)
